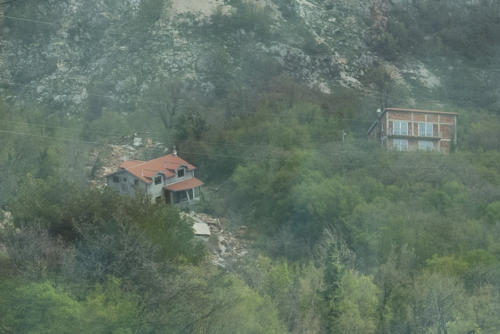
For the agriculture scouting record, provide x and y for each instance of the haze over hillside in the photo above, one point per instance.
(190, 166)
(72, 50)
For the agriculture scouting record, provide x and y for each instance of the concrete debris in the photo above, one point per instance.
(201, 229)
(225, 246)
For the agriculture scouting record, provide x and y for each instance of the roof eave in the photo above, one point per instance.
(142, 178)
(420, 111)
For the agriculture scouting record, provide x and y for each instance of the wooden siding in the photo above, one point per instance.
(443, 125)
(417, 117)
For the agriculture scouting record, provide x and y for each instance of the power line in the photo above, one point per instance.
(217, 155)
(52, 138)
(243, 158)
(152, 148)
(217, 142)
(43, 126)
(122, 135)
(28, 20)
(148, 132)
(163, 103)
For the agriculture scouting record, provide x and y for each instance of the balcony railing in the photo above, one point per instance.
(412, 136)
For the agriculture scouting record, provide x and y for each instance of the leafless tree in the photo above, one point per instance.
(33, 252)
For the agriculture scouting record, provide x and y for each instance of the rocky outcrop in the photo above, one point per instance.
(115, 50)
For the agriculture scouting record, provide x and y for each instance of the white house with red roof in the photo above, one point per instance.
(168, 178)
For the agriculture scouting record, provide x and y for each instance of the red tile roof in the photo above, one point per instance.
(184, 185)
(145, 170)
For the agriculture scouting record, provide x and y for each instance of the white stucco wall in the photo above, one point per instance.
(155, 190)
(175, 179)
(126, 184)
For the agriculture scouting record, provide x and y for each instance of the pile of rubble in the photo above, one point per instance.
(107, 162)
(226, 246)
(118, 154)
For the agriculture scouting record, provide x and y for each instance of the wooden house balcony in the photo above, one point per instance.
(414, 137)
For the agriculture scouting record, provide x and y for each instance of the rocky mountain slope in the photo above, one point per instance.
(71, 53)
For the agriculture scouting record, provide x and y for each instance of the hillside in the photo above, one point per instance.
(318, 229)
(110, 54)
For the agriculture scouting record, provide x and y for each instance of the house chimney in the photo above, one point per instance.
(174, 151)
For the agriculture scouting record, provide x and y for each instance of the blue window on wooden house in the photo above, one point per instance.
(400, 145)
(425, 129)
(400, 128)
(425, 145)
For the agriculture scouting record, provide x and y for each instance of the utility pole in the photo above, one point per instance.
(343, 136)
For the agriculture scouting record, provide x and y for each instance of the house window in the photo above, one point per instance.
(124, 179)
(180, 172)
(400, 144)
(425, 145)
(400, 128)
(116, 179)
(180, 196)
(158, 179)
(425, 129)
(136, 182)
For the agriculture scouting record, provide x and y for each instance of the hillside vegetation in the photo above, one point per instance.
(271, 100)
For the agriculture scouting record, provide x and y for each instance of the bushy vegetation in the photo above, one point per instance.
(434, 28)
(346, 237)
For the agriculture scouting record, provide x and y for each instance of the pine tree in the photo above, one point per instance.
(332, 288)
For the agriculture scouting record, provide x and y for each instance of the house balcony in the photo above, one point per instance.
(183, 191)
(414, 137)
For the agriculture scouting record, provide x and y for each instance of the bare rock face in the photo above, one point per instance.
(197, 7)
(116, 50)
